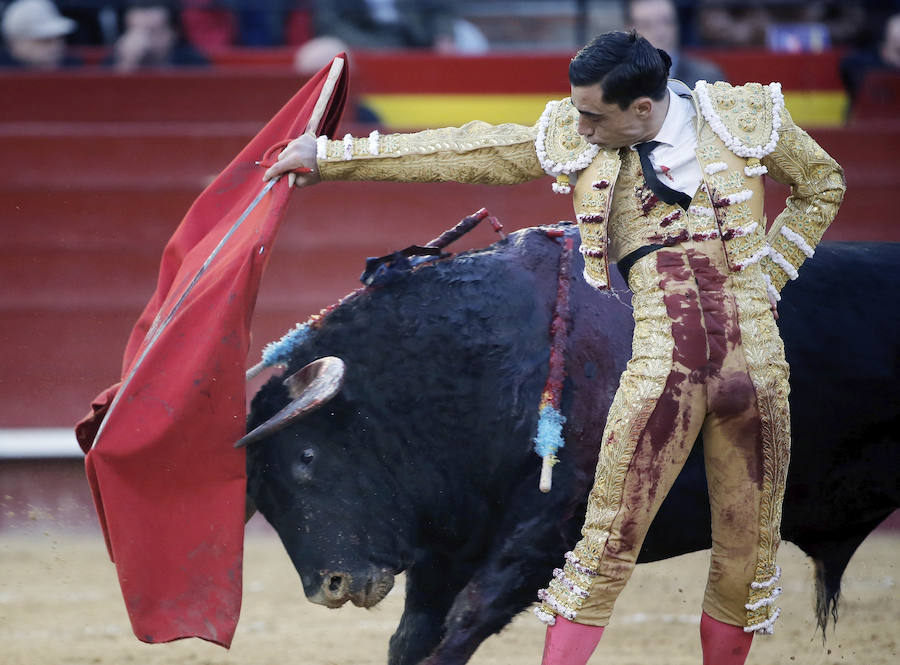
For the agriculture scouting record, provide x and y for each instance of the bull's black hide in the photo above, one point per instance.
(424, 461)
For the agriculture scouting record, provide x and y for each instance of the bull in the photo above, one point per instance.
(415, 453)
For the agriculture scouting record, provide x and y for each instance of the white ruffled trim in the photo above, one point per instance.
(783, 263)
(548, 619)
(715, 167)
(578, 566)
(561, 189)
(754, 258)
(739, 197)
(766, 627)
(798, 240)
(594, 283)
(348, 147)
(322, 147)
(763, 602)
(555, 605)
(755, 170)
(769, 582)
(555, 168)
(744, 230)
(701, 211)
(774, 295)
(718, 126)
(569, 584)
(373, 142)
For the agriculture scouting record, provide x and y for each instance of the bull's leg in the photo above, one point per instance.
(431, 586)
(504, 585)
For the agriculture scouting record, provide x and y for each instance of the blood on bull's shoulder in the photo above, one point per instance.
(422, 461)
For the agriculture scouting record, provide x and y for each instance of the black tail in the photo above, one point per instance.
(831, 558)
(828, 593)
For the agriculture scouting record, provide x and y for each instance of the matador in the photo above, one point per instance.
(668, 183)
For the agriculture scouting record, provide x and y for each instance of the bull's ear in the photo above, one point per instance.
(309, 388)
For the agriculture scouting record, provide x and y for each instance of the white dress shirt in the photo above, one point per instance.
(675, 159)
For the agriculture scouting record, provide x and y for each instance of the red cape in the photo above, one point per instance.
(168, 485)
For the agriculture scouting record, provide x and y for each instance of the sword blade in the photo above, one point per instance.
(157, 330)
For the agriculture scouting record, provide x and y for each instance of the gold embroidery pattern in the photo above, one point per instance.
(474, 153)
(728, 181)
(592, 204)
(702, 223)
(817, 189)
(709, 153)
(640, 387)
(745, 110)
(769, 373)
(732, 217)
(638, 220)
(562, 141)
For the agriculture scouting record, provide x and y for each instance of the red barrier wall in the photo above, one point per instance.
(99, 168)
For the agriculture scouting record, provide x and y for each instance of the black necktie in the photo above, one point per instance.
(662, 191)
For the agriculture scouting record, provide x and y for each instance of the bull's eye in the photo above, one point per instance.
(302, 469)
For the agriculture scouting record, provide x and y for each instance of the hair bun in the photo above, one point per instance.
(665, 58)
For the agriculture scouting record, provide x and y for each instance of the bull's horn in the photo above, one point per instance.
(310, 388)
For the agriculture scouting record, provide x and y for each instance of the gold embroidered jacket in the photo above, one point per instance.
(742, 133)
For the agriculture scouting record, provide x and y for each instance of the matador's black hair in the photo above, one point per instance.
(626, 66)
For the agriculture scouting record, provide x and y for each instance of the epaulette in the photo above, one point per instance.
(747, 117)
(559, 147)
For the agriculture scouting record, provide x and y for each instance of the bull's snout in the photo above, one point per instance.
(363, 590)
(336, 587)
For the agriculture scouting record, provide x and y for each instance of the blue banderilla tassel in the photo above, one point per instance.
(279, 353)
(549, 436)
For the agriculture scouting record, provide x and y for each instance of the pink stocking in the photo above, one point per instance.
(723, 644)
(570, 643)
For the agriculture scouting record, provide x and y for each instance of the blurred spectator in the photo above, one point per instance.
(208, 24)
(885, 55)
(657, 21)
(376, 24)
(262, 22)
(152, 38)
(845, 20)
(748, 23)
(216, 24)
(890, 46)
(725, 23)
(34, 35)
(318, 52)
(95, 20)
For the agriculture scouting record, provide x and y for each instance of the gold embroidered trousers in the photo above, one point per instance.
(706, 358)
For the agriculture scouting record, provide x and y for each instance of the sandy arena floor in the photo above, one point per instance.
(60, 604)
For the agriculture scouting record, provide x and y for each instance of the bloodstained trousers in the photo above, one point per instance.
(706, 358)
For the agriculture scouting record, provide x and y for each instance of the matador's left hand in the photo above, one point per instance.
(773, 305)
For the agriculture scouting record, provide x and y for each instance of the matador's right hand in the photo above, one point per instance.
(298, 154)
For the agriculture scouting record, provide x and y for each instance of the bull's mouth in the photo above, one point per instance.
(362, 589)
(374, 591)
